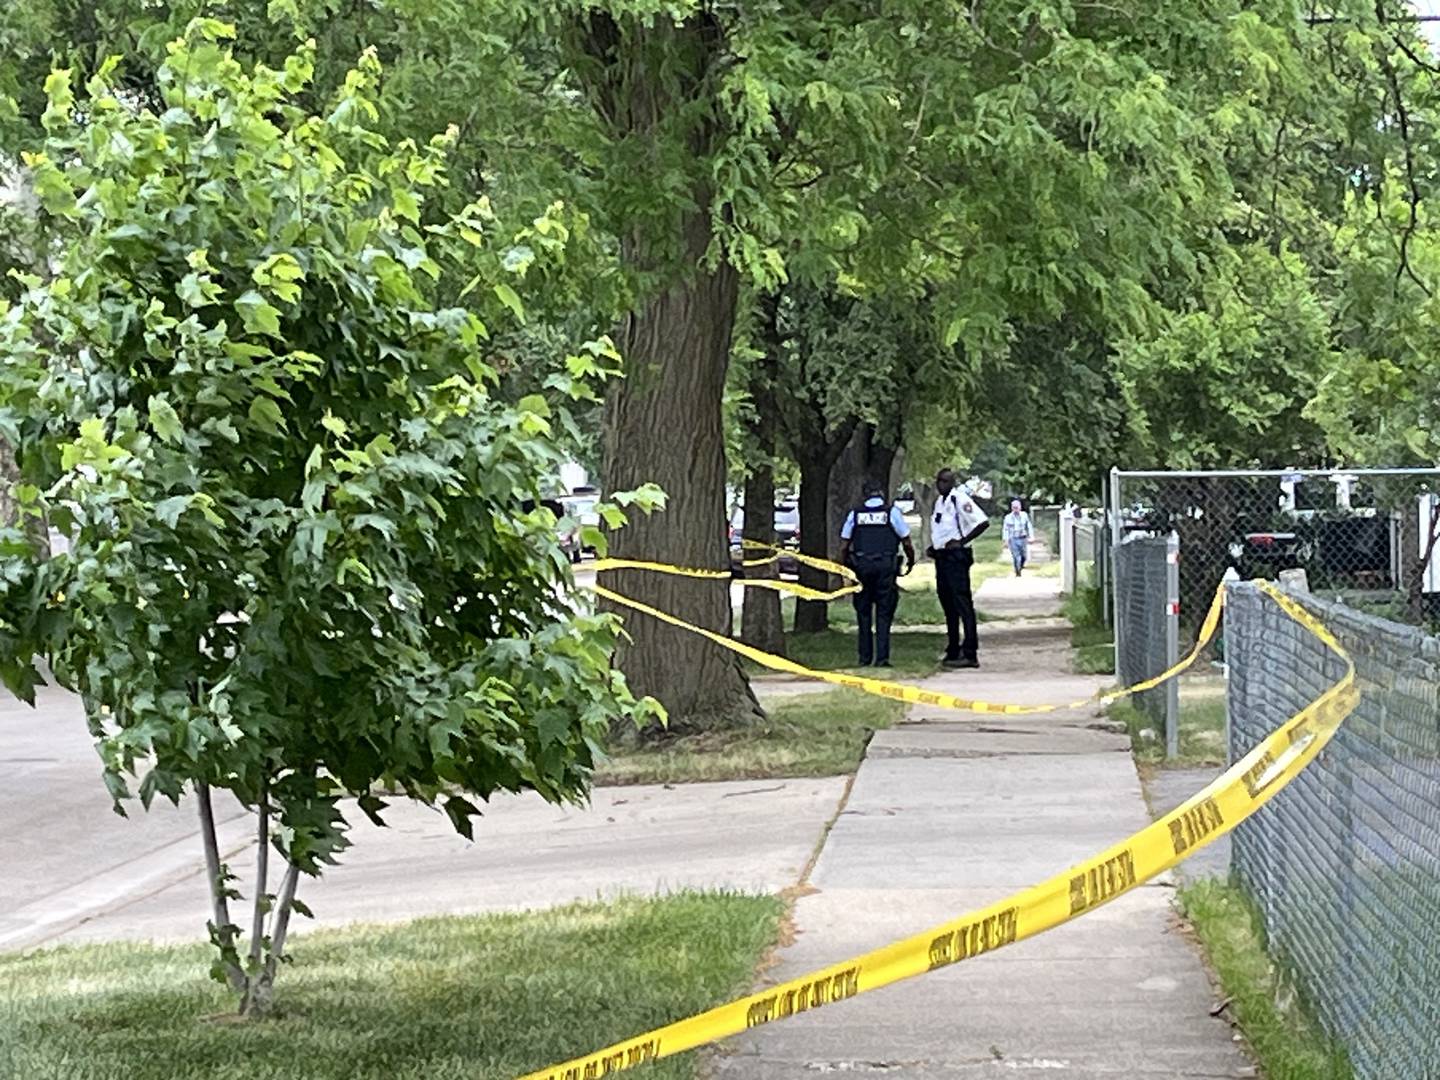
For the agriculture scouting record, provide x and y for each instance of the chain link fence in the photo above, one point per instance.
(1365, 537)
(1345, 862)
(1147, 640)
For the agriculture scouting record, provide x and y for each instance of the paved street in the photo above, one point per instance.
(75, 871)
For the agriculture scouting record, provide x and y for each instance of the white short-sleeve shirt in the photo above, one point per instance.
(956, 516)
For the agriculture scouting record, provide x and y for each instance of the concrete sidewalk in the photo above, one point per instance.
(950, 812)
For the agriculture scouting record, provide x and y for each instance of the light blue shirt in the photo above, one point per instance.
(897, 520)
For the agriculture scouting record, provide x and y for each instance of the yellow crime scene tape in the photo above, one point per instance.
(1245, 787)
(879, 687)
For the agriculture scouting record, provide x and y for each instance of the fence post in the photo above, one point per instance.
(1067, 551)
(1231, 577)
(1172, 643)
(1112, 520)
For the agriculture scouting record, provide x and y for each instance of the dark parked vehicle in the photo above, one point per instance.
(1263, 553)
(787, 535)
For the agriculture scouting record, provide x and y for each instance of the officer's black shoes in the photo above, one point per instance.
(961, 662)
(883, 663)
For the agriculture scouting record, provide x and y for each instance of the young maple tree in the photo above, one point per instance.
(307, 558)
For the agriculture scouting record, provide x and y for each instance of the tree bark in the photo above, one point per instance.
(663, 421)
(864, 458)
(262, 880)
(220, 907)
(260, 993)
(762, 622)
(663, 425)
(847, 478)
(813, 616)
(925, 497)
(1430, 539)
(897, 471)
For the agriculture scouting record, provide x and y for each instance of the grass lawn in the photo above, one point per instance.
(822, 734)
(483, 998)
(1287, 1042)
(1202, 729)
(1092, 640)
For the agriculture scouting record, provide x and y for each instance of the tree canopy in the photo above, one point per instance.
(1149, 231)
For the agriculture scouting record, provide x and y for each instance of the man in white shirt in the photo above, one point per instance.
(957, 521)
(1018, 531)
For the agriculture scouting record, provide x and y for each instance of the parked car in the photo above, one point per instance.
(787, 535)
(1260, 552)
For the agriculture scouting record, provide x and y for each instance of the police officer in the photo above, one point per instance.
(957, 522)
(870, 542)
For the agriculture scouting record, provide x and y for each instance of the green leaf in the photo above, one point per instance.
(60, 98)
(406, 205)
(511, 299)
(225, 428)
(257, 315)
(165, 420)
(168, 511)
(460, 811)
(196, 292)
(266, 414)
(354, 566)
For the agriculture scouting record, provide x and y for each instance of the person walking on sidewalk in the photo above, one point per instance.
(957, 522)
(1018, 532)
(870, 542)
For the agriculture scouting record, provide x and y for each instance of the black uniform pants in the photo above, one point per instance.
(952, 582)
(879, 595)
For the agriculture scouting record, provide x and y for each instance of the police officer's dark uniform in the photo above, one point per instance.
(873, 534)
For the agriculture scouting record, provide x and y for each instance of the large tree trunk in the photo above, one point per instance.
(652, 84)
(925, 499)
(864, 458)
(897, 471)
(1418, 547)
(762, 622)
(663, 426)
(846, 481)
(813, 616)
